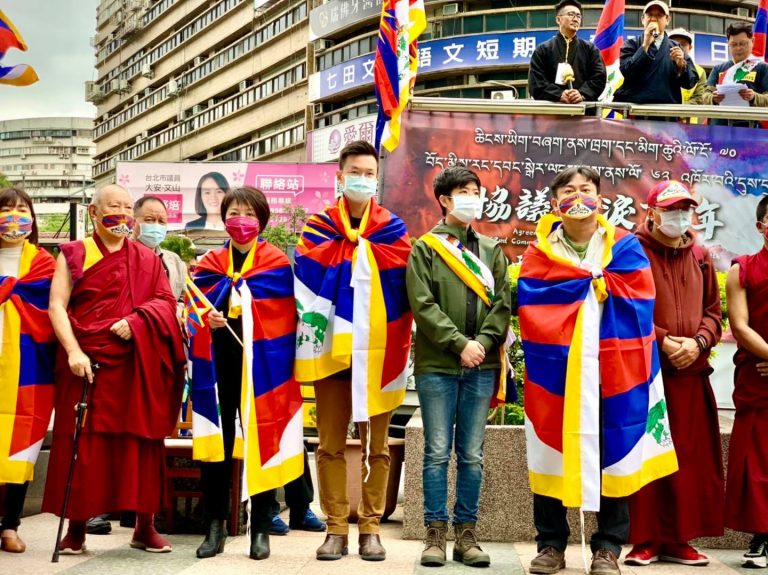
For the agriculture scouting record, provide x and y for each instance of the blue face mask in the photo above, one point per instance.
(152, 234)
(359, 188)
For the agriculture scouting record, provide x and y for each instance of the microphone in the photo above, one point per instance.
(655, 34)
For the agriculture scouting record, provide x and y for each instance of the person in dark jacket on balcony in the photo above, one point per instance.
(655, 67)
(566, 68)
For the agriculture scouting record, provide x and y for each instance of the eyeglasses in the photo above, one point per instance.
(572, 15)
(738, 44)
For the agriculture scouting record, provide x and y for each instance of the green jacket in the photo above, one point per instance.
(438, 299)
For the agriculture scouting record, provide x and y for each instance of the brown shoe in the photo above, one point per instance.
(11, 542)
(604, 562)
(548, 561)
(466, 548)
(334, 547)
(371, 548)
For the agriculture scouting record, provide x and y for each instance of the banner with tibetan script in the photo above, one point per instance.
(517, 157)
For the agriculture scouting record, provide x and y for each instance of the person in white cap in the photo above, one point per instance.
(695, 95)
(655, 67)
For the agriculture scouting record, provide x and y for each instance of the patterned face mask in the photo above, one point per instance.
(15, 225)
(577, 206)
(118, 224)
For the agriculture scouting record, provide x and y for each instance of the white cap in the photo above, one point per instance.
(660, 4)
(681, 33)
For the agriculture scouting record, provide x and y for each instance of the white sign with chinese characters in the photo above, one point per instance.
(324, 144)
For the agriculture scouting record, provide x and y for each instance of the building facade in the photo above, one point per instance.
(50, 158)
(237, 80)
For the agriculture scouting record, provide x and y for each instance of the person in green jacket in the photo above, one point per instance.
(458, 291)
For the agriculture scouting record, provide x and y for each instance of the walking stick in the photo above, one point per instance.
(81, 409)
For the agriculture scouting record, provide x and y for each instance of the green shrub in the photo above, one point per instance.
(181, 246)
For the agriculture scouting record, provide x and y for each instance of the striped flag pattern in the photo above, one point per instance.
(609, 38)
(21, 74)
(760, 30)
(395, 65)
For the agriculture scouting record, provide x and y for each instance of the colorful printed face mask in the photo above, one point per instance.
(118, 224)
(15, 225)
(242, 229)
(577, 206)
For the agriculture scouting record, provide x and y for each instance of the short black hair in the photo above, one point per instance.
(564, 177)
(736, 28)
(250, 197)
(144, 199)
(762, 208)
(221, 183)
(450, 179)
(357, 148)
(11, 197)
(563, 3)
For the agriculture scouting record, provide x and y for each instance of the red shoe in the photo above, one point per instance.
(150, 540)
(643, 554)
(684, 554)
(73, 543)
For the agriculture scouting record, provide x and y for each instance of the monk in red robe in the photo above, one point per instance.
(111, 305)
(746, 495)
(668, 513)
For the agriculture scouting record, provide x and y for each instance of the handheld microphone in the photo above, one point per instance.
(655, 34)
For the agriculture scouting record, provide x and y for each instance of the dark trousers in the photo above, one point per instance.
(15, 493)
(215, 478)
(299, 493)
(549, 517)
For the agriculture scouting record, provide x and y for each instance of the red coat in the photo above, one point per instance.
(135, 399)
(689, 503)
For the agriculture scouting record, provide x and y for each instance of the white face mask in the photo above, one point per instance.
(467, 208)
(359, 188)
(674, 223)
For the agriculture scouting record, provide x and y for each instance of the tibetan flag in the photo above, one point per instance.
(595, 411)
(760, 30)
(353, 306)
(396, 63)
(27, 353)
(609, 38)
(269, 431)
(196, 307)
(21, 74)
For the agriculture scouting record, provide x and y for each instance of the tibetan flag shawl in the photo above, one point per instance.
(27, 352)
(352, 304)
(596, 417)
(272, 443)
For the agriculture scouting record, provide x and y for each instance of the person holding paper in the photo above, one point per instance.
(743, 80)
(566, 68)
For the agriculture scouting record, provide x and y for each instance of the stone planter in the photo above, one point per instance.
(506, 502)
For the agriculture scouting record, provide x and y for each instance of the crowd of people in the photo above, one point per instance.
(617, 330)
(657, 66)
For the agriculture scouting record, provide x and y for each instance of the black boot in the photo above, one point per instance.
(214, 540)
(259, 545)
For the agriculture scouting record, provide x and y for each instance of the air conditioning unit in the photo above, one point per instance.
(146, 70)
(322, 45)
(242, 86)
(93, 92)
(134, 5)
(318, 109)
(116, 18)
(741, 12)
(23, 157)
(181, 116)
(120, 86)
(197, 108)
(451, 9)
(173, 87)
(503, 95)
(49, 139)
(136, 98)
(145, 135)
(211, 103)
(471, 79)
(147, 92)
(199, 60)
(139, 139)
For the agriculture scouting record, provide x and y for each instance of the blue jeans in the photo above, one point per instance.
(454, 404)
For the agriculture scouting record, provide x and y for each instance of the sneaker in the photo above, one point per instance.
(755, 558)
(643, 554)
(309, 522)
(278, 526)
(685, 555)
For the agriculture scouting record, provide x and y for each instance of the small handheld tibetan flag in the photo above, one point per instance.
(21, 74)
(609, 39)
(396, 63)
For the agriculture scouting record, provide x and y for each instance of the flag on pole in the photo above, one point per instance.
(196, 307)
(609, 38)
(396, 63)
(21, 74)
(760, 29)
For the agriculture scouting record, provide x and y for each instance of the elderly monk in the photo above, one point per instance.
(111, 305)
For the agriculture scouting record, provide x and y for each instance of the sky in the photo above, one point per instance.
(57, 34)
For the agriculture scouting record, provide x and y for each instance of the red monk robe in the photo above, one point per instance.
(134, 401)
(746, 496)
